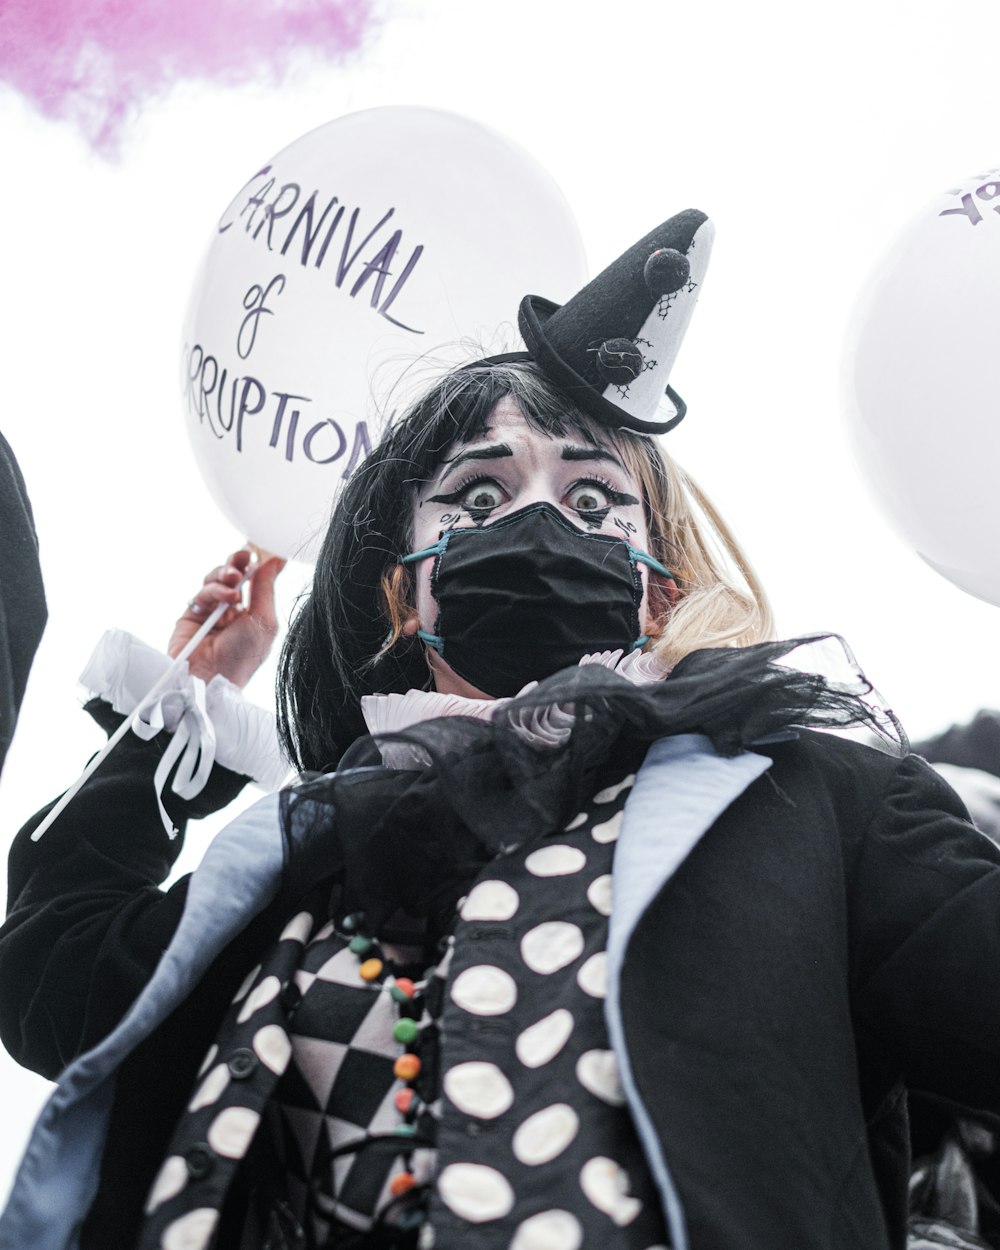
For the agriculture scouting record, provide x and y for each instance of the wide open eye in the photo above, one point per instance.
(482, 494)
(588, 497)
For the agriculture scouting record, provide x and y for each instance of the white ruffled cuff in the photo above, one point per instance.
(123, 669)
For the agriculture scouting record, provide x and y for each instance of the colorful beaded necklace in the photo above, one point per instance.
(408, 1211)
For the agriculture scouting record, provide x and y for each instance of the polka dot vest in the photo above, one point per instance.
(528, 1140)
(536, 1149)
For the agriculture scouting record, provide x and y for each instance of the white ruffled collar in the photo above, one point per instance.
(542, 727)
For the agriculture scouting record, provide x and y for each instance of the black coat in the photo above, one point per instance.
(22, 598)
(832, 940)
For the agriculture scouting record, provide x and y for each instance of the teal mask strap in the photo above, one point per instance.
(432, 640)
(643, 557)
(434, 549)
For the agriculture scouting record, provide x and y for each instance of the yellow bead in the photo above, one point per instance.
(406, 1068)
(370, 970)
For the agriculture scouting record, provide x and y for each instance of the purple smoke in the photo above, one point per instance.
(94, 62)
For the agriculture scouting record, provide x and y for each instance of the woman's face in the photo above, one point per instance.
(508, 468)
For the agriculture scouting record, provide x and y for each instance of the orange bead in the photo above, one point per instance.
(406, 985)
(403, 1100)
(406, 1067)
(402, 1183)
(370, 970)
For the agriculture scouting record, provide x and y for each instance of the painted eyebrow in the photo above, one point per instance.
(492, 451)
(590, 453)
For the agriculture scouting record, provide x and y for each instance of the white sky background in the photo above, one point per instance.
(809, 133)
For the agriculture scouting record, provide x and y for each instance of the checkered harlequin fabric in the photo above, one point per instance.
(335, 1106)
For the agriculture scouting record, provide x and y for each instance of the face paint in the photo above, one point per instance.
(529, 595)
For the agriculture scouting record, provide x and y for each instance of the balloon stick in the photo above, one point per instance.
(148, 698)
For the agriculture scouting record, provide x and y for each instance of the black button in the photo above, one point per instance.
(242, 1063)
(291, 996)
(200, 1161)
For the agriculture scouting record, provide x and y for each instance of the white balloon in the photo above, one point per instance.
(377, 238)
(922, 384)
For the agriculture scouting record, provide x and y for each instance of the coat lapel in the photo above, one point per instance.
(680, 791)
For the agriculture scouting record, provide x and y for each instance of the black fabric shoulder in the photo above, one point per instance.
(925, 908)
(973, 745)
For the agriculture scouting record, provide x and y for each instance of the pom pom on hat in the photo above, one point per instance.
(666, 271)
(619, 361)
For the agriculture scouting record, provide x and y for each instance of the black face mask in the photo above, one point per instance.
(529, 595)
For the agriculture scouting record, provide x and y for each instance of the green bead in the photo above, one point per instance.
(397, 995)
(361, 945)
(405, 1031)
(405, 1130)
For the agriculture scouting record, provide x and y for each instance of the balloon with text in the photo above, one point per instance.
(380, 238)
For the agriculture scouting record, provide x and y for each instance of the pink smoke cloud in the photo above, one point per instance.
(95, 62)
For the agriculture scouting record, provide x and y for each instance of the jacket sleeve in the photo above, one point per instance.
(926, 916)
(87, 921)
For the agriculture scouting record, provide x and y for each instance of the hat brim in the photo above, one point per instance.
(533, 314)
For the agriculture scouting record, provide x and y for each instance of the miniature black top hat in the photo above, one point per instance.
(612, 346)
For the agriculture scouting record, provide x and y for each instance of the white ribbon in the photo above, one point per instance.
(163, 681)
(192, 748)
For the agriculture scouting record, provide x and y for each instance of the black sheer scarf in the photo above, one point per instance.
(412, 839)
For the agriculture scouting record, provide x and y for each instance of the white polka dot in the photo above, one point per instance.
(206, 1063)
(593, 975)
(609, 830)
(272, 1047)
(490, 900)
(232, 1130)
(298, 928)
(479, 1089)
(268, 989)
(597, 1072)
(545, 1134)
(609, 794)
(551, 946)
(555, 861)
(211, 1088)
(576, 822)
(599, 894)
(606, 1185)
(544, 1040)
(170, 1180)
(475, 1192)
(192, 1231)
(484, 990)
(549, 1230)
(248, 980)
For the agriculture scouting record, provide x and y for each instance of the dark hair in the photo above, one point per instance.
(334, 652)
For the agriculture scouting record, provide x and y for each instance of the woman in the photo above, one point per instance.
(399, 1003)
